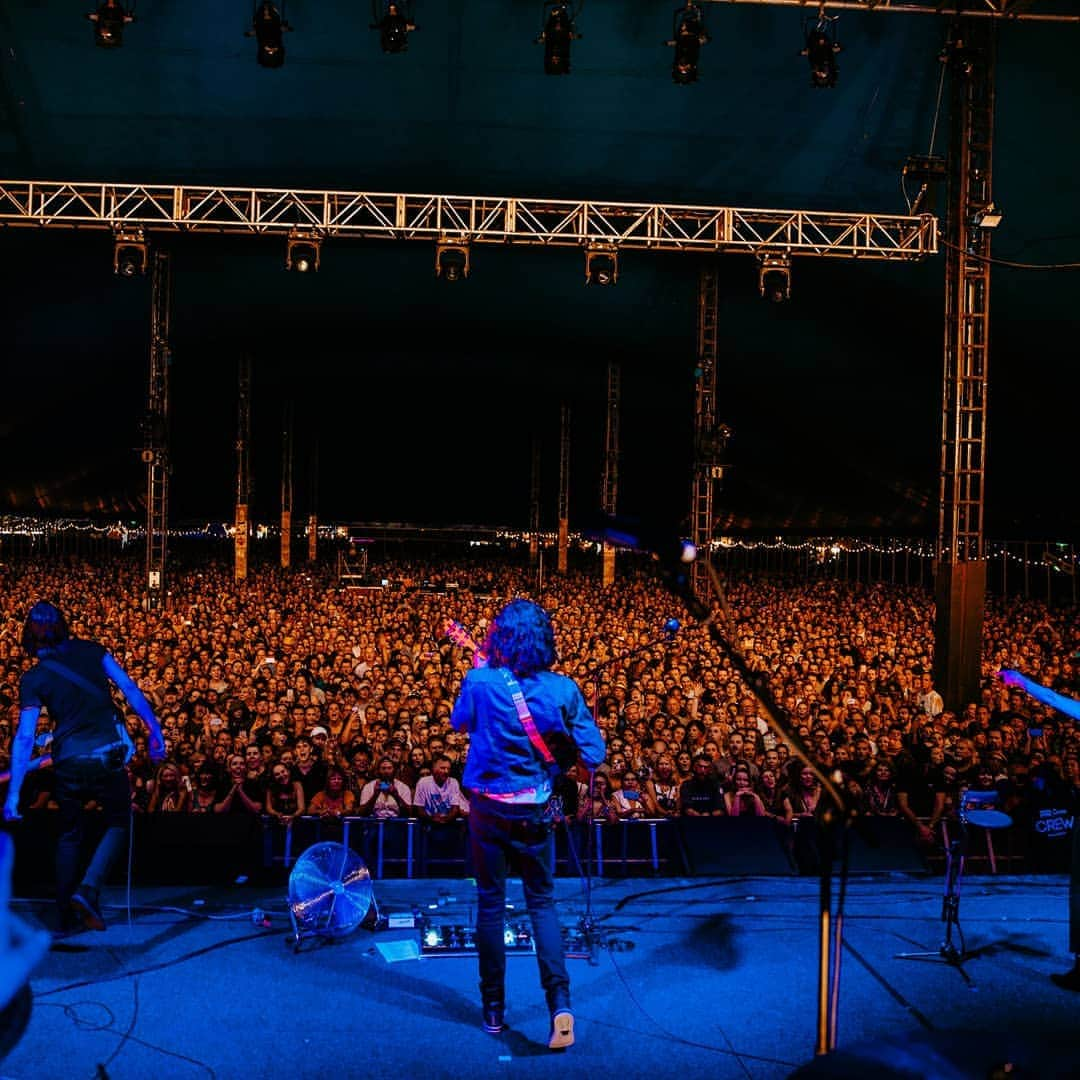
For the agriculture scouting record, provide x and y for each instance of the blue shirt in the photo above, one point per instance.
(501, 757)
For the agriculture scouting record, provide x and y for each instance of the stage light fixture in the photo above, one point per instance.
(129, 252)
(556, 36)
(690, 35)
(989, 217)
(302, 252)
(109, 21)
(601, 266)
(268, 27)
(452, 261)
(820, 48)
(394, 24)
(774, 277)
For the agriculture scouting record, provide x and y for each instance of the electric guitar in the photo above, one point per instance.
(560, 746)
(42, 762)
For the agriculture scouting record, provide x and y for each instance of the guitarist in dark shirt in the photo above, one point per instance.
(90, 748)
(514, 709)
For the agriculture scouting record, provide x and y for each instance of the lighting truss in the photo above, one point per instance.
(475, 219)
(1061, 11)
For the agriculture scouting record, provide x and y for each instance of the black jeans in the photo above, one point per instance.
(495, 831)
(77, 781)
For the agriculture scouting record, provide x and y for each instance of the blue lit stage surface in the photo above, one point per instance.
(696, 978)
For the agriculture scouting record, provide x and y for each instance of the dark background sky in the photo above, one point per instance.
(423, 398)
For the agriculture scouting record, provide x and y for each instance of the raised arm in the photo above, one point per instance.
(137, 700)
(1069, 706)
(22, 747)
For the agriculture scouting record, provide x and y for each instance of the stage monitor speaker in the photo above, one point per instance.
(740, 845)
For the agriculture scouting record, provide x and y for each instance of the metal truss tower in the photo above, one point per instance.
(155, 451)
(313, 512)
(243, 469)
(710, 437)
(534, 502)
(564, 487)
(961, 578)
(609, 480)
(286, 488)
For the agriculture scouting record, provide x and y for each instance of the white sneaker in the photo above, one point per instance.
(562, 1030)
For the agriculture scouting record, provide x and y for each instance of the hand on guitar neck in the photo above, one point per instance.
(463, 640)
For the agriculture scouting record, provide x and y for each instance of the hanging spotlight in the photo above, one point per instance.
(129, 252)
(394, 25)
(774, 277)
(452, 261)
(601, 265)
(690, 35)
(109, 21)
(268, 27)
(302, 252)
(556, 36)
(820, 49)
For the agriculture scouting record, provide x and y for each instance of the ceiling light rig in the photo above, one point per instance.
(820, 48)
(302, 252)
(774, 277)
(394, 23)
(129, 252)
(452, 261)
(109, 21)
(268, 27)
(558, 32)
(690, 35)
(601, 265)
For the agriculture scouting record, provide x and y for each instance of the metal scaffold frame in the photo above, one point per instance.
(155, 451)
(475, 219)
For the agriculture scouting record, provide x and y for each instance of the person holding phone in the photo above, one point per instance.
(385, 797)
(90, 749)
(1069, 980)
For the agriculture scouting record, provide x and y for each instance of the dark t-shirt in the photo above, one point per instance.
(701, 795)
(921, 783)
(82, 722)
(313, 781)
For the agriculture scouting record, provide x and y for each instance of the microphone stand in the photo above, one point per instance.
(587, 924)
(830, 933)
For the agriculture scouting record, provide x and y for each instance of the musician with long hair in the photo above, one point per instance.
(514, 708)
(90, 748)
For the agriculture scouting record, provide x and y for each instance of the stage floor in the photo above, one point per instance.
(699, 978)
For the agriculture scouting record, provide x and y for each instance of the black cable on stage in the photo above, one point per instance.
(70, 1010)
(157, 967)
(729, 1051)
(889, 988)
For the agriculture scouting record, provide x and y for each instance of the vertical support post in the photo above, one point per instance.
(155, 452)
(564, 488)
(961, 579)
(243, 470)
(710, 437)
(313, 514)
(534, 502)
(286, 488)
(609, 480)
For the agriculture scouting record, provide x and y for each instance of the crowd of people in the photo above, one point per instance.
(286, 694)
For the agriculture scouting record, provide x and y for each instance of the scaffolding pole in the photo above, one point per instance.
(564, 488)
(961, 576)
(243, 469)
(609, 480)
(286, 487)
(313, 512)
(534, 502)
(155, 452)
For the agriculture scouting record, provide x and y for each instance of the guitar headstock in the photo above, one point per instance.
(459, 635)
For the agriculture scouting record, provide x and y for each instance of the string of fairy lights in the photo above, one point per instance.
(1052, 556)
